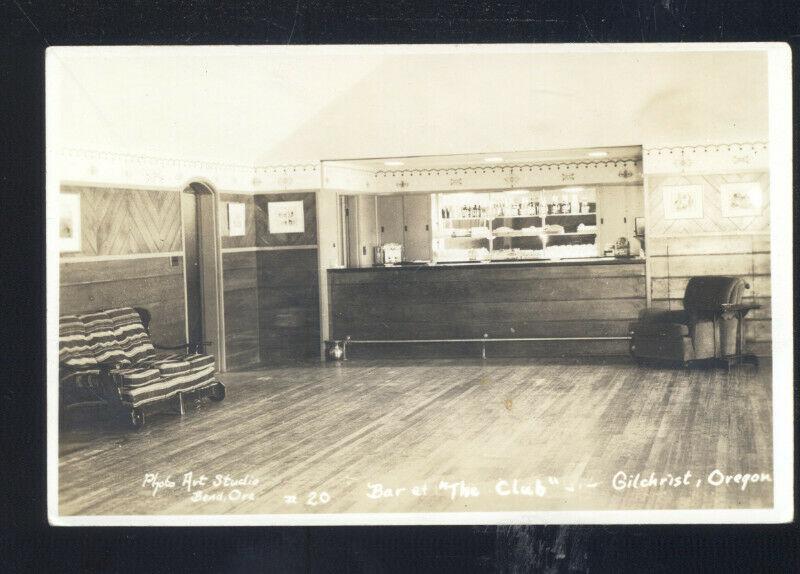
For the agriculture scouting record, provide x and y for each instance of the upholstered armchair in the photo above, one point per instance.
(703, 329)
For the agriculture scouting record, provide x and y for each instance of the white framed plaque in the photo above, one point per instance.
(69, 222)
(741, 199)
(236, 219)
(683, 202)
(286, 217)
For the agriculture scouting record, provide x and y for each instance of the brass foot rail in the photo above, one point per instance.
(483, 340)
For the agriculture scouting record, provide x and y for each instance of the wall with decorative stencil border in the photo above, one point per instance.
(131, 255)
(678, 249)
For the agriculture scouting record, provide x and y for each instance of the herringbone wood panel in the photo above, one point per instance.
(712, 220)
(128, 221)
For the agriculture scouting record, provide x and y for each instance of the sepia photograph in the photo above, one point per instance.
(431, 284)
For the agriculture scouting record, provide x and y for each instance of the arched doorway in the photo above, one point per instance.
(204, 306)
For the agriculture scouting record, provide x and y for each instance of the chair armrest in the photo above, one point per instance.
(730, 310)
(188, 347)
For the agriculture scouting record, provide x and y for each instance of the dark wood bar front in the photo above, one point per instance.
(590, 300)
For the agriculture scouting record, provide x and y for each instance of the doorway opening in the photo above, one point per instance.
(204, 323)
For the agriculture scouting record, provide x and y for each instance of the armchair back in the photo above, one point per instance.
(706, 294)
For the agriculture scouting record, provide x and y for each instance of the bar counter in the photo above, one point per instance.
(590, 301)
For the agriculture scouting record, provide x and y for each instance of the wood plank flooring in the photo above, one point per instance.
(336, 428)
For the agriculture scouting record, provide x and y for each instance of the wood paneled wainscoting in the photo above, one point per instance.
(288, 301)
(588, 299)
(155, 283)
(714, 244)
(673, 260)
(288, 282)
(240, 280)
(240, 285)
(131, 255)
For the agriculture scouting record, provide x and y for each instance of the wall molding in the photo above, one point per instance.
(708, 234)
(510, 168)
(266, 248)
(484, 177)
(92, 258)
(112, 169)
(706, 158)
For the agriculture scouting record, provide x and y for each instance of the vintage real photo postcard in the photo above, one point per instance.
(419, 284)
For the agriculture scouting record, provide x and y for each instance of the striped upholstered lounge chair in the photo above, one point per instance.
(108, 355)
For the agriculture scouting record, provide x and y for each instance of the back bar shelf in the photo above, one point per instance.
(515, 225)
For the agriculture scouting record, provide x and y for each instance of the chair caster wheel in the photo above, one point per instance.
(137, 419)
(218, 392)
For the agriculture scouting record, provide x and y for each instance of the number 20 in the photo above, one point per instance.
(314, 499)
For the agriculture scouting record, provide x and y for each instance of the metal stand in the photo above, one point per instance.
(740, 356)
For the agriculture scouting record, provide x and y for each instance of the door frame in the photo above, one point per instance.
(221, 351)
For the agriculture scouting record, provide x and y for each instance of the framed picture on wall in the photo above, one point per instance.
(683, 201)
(69, 222)
(741, 199)
(286, 217)
(236, 219)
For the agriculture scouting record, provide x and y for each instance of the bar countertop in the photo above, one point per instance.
(494, 264)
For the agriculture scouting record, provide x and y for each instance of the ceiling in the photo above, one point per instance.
(259, 106)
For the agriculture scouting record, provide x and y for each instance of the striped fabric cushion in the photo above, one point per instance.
(137, 377)
(199, 362)
(168, 386)
(130, 334)
(172, 367)
(74, 350)
(178, 363)
(103, 343)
